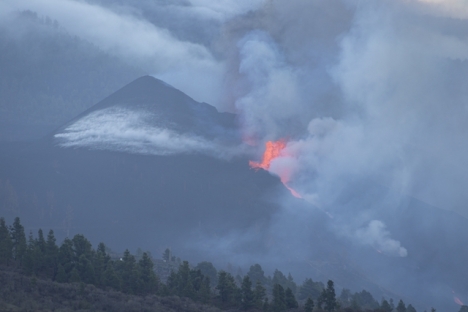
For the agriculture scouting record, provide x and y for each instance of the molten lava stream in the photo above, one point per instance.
(272, 151)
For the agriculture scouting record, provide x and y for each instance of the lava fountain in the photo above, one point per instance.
(274, 149)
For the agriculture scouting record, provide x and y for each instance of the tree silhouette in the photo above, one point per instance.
(51, 255)
(256, 274)
(248, 296)
(401, 306)
(18, 239)
(149, 280)
(410, 308)
(291, 302)
(6, 244)
(330, 297)
(259, 294)
(226, 288)
(385, 306)
(279, 299)
(309, 305)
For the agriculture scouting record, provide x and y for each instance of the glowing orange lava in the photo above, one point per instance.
(272, 151)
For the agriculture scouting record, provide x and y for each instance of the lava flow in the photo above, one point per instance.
(272, 151)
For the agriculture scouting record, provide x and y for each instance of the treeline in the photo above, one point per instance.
(75, 261)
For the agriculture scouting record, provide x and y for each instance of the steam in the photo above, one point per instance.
(376, 235)
(272, 87)
(374, 105)
(135, 40)
(138, 132)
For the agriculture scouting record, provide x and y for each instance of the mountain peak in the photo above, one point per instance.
(144, 112)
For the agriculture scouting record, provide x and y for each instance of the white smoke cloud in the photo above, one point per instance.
(119, 129)
(377, 236)
(223, 10)
(135, 40)
(397, 120)
(273, 96)
(447, 8)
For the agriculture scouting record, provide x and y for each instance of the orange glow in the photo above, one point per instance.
(293, 191)
(457, 301)
(272, 151)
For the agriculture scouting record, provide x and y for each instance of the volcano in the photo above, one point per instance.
(150, 167)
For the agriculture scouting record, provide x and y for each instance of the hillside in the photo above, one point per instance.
(23, 293)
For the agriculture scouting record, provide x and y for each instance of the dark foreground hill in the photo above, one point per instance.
(23, 293)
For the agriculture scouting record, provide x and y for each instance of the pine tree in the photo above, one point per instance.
(196, 278)
(172, 283)
(345, 297)
(81, 246)
(292, 284)
(248, 297)
(40, 250)
(66, 256)
(110, 277)
(321, 299)
(309, 289)
(51, 255)
(279, 301)
(256, 274)
(385, 306)
(309, 305)
(41, 241)
(149, 280)
(401, 306)
(208, 270)
(410, 308)
(30, 260)
(226, 288)
(330, 297)
(128, 273)
(167, 255)
(291, 302)
(259, 294)
(19, 241)
(86, 270)
(100, 260)
(185, 287)
(279, 278)
(205, 292)
(6, 244)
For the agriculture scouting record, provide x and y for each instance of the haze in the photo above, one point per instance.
(369, 97)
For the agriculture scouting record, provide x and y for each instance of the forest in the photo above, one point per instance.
(37, 273)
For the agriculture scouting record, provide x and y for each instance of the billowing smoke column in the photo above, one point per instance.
(366, 92)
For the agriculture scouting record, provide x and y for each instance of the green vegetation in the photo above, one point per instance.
(37, 274)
